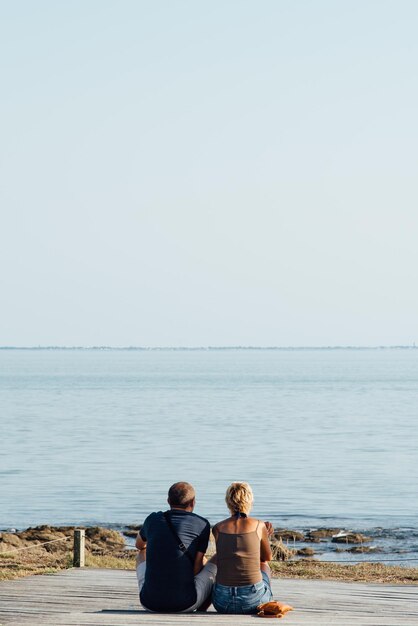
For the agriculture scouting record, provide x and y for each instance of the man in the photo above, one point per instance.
(171, 570)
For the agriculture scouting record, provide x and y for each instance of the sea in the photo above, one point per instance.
(326, 437)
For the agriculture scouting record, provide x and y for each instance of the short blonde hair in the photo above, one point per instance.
(239, 498)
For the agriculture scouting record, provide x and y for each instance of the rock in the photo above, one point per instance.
(321, 533)
(34, 537)
(9, 539)
(130, 533)
(351, 538)
(363, 549)
(42, 534)
(288, 535)
(58, 546)
(134, 527)
(306, 552)
(97, 538)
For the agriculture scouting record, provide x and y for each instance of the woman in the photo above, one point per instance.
(242, 551)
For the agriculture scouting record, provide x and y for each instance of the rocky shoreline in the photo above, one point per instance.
(287, 543)
(48, 549)
(58, 539)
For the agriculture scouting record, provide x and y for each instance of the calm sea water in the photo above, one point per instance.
(325, 437)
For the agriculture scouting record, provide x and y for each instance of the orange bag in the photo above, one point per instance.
(273, 609)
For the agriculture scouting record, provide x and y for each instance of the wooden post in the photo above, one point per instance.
(79, 545)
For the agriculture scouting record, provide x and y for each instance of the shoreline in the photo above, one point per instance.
(342, 544)
(47, 549)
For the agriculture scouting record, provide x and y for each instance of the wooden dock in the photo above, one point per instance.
(87, 597)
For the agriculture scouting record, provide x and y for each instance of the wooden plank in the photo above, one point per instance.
(90, 597)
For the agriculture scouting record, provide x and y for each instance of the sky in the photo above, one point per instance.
(212, 172)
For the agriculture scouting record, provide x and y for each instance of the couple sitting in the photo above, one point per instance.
(173, 574)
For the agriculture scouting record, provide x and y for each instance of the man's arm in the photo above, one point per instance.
(141, 539)
(199, 562)
(140, 543)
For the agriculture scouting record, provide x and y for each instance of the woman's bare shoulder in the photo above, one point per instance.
(219, 525)
(257, 523)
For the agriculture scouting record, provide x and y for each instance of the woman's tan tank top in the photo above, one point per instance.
(238, 557)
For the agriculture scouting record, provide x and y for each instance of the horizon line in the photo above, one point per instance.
(191, 348)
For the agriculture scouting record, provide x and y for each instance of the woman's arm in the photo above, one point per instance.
(265, 550)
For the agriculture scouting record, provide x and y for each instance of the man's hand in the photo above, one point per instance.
(270, 529)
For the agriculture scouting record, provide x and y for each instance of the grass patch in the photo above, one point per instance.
(36, 561)
(112, 562)
(362, 572)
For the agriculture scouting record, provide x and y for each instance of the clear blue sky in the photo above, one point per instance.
(209, 172)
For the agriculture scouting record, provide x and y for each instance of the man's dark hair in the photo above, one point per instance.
(181, 495)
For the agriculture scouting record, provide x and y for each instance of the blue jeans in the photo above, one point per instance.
(241, 600)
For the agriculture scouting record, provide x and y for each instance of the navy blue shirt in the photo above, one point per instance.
(169, 579)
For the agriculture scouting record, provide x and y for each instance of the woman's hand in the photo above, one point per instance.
(270, 529)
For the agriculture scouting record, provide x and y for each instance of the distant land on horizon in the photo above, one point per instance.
(196, 348)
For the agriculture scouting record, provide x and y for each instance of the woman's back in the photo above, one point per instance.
(242, 552)
(238, 551)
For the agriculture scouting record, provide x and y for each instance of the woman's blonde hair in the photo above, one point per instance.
(239, 498)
